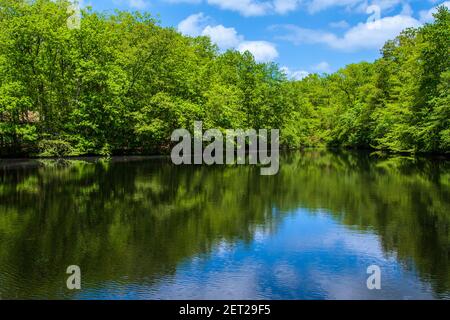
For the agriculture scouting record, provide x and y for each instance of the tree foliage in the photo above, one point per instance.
(121, 83)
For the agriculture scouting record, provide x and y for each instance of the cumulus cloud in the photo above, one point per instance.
(427, 15)
(135, 4)
(368, 35)
(138, 4)
(294, 74)
(226, 37)
(259, 8)
(340, 24)
(249, 8)
(352, 5)
(285, 6)
(193, 25)
(322, 67)
(263, 51)
(185, 1)
(245, 7)
(363, 36)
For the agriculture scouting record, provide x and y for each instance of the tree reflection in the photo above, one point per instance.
(141, 218)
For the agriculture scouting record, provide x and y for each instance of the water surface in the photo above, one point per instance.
(142, 228)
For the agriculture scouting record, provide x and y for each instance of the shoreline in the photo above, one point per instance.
(138, 156)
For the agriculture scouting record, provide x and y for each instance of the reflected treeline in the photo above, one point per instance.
(136, 220)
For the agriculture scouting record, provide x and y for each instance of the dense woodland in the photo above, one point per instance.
(122, 83)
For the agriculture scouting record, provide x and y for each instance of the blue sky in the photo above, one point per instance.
(302, 36)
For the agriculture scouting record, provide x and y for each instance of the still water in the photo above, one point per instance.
(142, 228)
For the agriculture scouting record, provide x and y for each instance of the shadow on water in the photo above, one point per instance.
(138, 220)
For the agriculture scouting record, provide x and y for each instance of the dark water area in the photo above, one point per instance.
(143, 228)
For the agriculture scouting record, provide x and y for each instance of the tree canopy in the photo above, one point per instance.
(121, 83)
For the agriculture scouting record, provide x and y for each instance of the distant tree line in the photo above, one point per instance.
(121, 83)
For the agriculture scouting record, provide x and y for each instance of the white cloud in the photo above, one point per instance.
(369, 35)
(319, 5)
(351, 5)
(249, 8)
(285, 6)
(185, 1)
(138, 4)
(294, 74)
(407, 10)
(266, 7)
(226, 38)
(193, 25)
(322, 67)
(263, 51)
(427, 15)
(135, 4)
(340, 24)
(244, 7)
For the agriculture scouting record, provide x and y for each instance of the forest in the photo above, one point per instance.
(121, 83)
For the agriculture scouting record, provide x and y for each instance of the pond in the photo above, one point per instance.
(143, 228)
